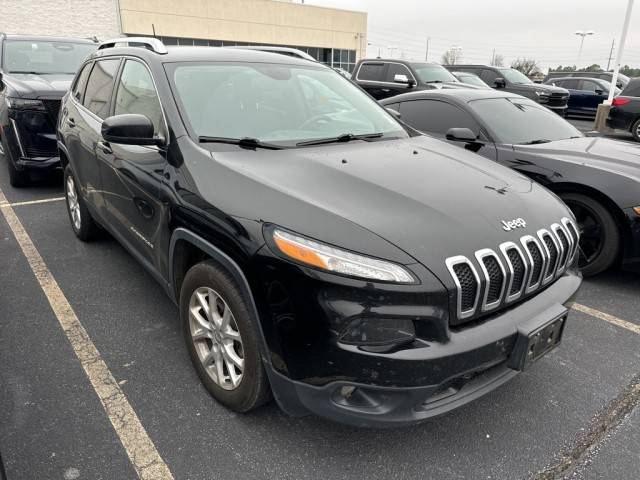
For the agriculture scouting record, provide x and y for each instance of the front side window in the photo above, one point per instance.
(514, 76)
(275, 103)
(81, 81)
(591, 86)
(434, 116)
(44, 57)
(100, 86)
(522, 121)
(397, 69)
(136, 93)
(489, 76)
(432, 73)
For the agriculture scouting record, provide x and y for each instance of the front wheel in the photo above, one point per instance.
(17, 178)
(222, 337)
(600, 238)
(82, 223)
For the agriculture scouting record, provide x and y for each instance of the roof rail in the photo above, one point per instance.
(292, 52)
(149, 43)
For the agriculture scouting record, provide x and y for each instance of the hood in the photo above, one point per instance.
(541, 87)
(602, 153)
(430, 199)
(33, 86)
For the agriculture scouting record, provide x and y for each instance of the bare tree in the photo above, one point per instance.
(450, 57)
(497, 60)
(528, 66)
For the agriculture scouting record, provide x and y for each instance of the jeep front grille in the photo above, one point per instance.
(514, 270)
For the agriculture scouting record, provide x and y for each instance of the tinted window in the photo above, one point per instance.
(520, 120)
(371, 71)
(26, 56)
(489, 76)
(397, 69)
(81, 81)
(632, 89)
(435, 116)
(100, 86)
(137, 94)
(572, 84)
(514, 76)
(591, 86)
(433, 73)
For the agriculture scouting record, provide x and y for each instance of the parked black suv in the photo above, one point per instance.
(625, 109)
(621, 82)
(513, 81)
(317, 249)
(35, 72)
(383, 78)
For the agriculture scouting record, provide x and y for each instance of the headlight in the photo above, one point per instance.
(24, 103)
(325, 257)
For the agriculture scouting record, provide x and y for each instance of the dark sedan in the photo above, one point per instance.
(585, 94)
(598, 178)
(625, 109)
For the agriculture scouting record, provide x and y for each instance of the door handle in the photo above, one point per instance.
(71, 122)
(105, 148)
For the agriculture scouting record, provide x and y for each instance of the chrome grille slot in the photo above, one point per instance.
(496, 278)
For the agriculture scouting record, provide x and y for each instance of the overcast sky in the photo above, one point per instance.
(541, 29)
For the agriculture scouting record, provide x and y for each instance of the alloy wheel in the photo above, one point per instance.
(73, 204)
(591, 232)
(216, 338)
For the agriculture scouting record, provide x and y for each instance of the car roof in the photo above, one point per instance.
(581, 78)
(47, 38)
(204, 54)
(459, 95)
(397, 60)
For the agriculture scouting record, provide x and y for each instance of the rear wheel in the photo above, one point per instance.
(635, 130)
(222, 338)
(81, 221)
(600, 237)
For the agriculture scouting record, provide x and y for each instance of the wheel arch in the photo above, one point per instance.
(611, 206)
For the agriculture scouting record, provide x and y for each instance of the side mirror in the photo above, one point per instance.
(396, 114)
(499, 83)
(129, 129)
(461, 135)
(599, 91)
(402, 78)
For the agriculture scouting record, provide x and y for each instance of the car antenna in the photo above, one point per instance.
(153, 29)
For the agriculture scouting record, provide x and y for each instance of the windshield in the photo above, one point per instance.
(514, 76)
(520, 120)
(44, 57)
(470, 79)
(433, 73)
(276, 103)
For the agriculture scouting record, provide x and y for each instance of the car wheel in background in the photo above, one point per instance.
(222, 338)
(600, 237)
(81, 221)
(17, 178)
(635, 130)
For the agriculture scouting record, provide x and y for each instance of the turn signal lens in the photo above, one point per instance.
(619, 101)
(637, 210)
(325, 257)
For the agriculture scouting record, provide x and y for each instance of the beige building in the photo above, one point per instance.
(332, 36)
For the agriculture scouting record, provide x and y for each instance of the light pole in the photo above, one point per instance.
(582, 34)
(457, 53)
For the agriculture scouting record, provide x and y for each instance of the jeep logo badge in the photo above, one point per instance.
(513, 224)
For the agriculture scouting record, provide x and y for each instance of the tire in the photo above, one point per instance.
(635, 130)
(81, 220)
(213, 344)
(17, 178)
(594, 220)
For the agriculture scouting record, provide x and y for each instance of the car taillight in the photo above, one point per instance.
(619, 101)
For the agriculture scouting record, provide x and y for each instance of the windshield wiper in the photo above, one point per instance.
(433, 81)
(244, 142)
(536, 142)
(24, 72)
(345, 137)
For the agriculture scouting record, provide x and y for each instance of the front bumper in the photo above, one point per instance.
(474, 361)
(30, 140)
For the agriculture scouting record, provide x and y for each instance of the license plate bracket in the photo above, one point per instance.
(534, 344)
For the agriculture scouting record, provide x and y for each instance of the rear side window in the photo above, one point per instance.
(137, 94)
(397, 69)
(632, 89)
(572, 84)
(371, 71)
(100, 86)
(434, 116)
(81, 82)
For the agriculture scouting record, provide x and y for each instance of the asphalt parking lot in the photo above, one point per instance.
(573, 414)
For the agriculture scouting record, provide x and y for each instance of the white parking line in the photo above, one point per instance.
(5, 203)
(139, 447)
(607, 318)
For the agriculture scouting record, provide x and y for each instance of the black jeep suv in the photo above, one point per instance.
(318, 250)
(513, 81)
(35, 72)
(384, 78)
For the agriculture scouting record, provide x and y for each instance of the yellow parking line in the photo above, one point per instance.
(139, 447)
(607, 318)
